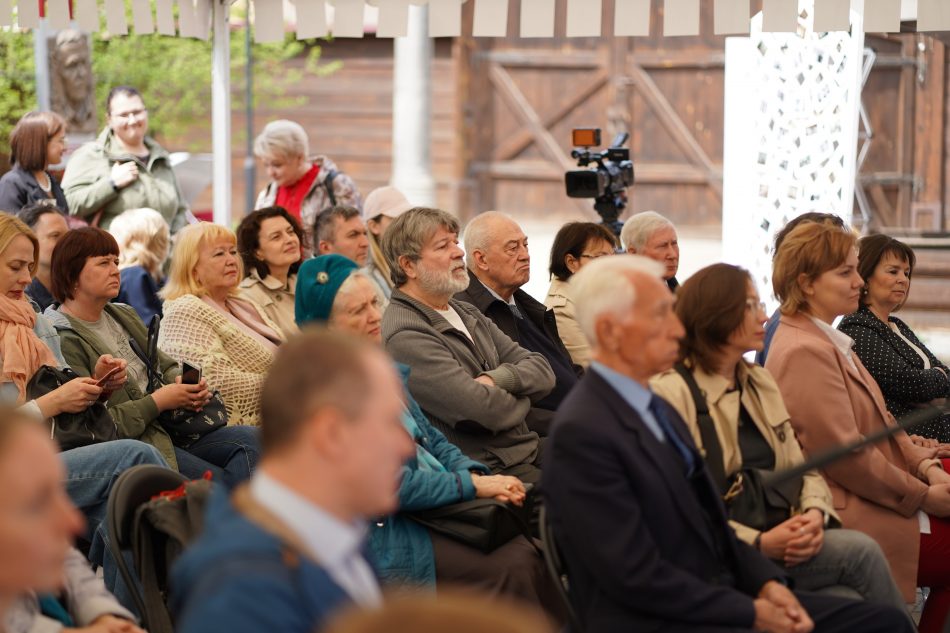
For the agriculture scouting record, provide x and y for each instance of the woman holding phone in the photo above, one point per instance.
(85, 278)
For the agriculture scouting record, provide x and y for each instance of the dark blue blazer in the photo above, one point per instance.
(640, 551)
(139, 290)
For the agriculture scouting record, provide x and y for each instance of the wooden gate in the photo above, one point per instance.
(521, 97)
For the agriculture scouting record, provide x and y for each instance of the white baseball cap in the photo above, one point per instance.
(387, 201)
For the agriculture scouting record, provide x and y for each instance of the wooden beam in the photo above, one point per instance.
(646, 173)
(520, 141)
(541, 59)
(673, 123)
(678, 60)
(905, 131)
(928, 118)
(513, 96)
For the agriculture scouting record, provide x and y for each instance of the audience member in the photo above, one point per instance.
(576, 244)
(499, 264)
(123, 169)
(908, 373)
(37, 142)
(381, 207)
(27, 342)
(340, 230)
(473, 382)
(37, 521)
(85, 280)
(285, 551)
(892, 490)
(642, 530)
(142, 235)
(49, 224)
(208, 325)
(776, 317)
(303, 184)
(745, 434)
(269, 241)
(335, 292)
(652, 235)
(83, 605)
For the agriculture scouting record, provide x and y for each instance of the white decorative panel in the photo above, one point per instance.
(491, 18)
(731, 17)
(311, 18)
(631, 17)
(584, 18)
(790, 135)
(681, 17)
(537, 18)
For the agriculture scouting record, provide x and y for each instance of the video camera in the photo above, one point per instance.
(608, 182)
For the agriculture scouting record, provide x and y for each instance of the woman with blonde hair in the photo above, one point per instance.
(143, 238)
(209, 325)
(303, 184)
(894, 491)
(37, 141)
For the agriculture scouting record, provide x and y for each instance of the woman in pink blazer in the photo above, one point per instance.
(895, 491)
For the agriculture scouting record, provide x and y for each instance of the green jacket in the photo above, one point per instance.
(88, 186)
(134, 412)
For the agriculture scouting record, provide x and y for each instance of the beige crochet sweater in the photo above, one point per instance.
(231, 361)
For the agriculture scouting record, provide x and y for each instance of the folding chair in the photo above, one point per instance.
(556, 568)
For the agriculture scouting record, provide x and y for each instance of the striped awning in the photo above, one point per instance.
(271, 19)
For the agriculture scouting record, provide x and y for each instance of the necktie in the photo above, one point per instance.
(515, 311)
(658, 409)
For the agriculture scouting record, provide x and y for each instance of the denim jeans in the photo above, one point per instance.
(230, 453)
(91, 471)
(849, 564)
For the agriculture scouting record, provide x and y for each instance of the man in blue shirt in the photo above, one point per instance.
(287, 549)
(642, 530)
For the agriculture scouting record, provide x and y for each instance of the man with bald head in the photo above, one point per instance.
(643, 532)
(496, 251)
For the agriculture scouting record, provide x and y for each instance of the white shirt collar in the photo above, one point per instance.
(510, 302)
(840, 340)
(335, 545)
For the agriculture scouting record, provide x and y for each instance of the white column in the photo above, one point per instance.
(41, 64)
(221, 112)
(412, 110)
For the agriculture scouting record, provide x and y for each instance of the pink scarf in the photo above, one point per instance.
(21, 351)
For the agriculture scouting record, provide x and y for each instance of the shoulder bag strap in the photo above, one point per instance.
(707, 430)
(328, 185)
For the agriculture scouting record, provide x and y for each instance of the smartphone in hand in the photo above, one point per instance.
(190, 374)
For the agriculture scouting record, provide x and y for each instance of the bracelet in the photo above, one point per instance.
(757, 543)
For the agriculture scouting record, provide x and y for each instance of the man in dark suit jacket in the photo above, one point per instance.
(496, 252)
(643, 533)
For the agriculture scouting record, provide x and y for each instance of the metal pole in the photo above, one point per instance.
(221, 113)
(250, 176)
(412, 107)
(41, 62)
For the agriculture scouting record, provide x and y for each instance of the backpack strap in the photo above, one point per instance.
(712, 449)
(328, 185)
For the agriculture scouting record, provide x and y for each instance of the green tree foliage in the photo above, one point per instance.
(173, 74)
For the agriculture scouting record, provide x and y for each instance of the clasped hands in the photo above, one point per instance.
(777, 610)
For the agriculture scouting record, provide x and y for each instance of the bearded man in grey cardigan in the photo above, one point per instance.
(472, 381)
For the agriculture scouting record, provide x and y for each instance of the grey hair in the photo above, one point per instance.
(347, 286)
(479, 232)
(639, 228)
(408, 233)
(324, 227)
(282, 138)
(595, 290)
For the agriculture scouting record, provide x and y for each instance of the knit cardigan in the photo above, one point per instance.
(232, 362)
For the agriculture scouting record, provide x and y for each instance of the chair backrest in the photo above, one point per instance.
(131, 489)
(556, 568)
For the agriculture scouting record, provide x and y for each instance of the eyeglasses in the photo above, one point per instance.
(131, 115)
(753, 304)
(594, 255)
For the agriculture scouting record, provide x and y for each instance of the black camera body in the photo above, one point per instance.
(607, 183)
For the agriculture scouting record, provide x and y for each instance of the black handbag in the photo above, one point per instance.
(748, 498)
(485, 524)
(72, 430)
(184, 426)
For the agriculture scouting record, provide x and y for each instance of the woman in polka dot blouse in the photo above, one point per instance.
(907, 372)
